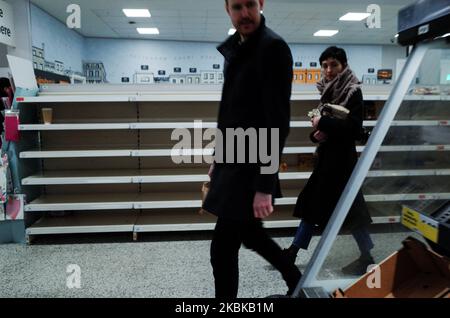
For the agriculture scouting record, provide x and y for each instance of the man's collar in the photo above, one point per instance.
(229, 48)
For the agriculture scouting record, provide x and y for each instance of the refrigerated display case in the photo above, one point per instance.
(408, 152)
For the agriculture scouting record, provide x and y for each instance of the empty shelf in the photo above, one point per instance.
(200, 152)
(204, 125)
(183, 175)
(113, 201)
(93, 126)
(74, 153)
(117, 201)
(84, 223)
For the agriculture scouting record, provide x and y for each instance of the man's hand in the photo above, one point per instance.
(262, 205)
(315, 121)
(320, 136)
(211, 168)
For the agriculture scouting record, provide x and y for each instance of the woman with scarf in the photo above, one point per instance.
(336, 158)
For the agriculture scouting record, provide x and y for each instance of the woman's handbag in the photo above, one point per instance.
(332, 110)
(336, 111)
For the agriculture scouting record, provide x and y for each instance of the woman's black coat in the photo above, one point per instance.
(336, 158)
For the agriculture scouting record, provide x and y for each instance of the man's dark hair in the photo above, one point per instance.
(335, 53)
(4, 83)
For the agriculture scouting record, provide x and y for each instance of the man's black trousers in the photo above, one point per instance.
(227, 239)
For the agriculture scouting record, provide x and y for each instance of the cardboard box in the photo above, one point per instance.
(415, 271)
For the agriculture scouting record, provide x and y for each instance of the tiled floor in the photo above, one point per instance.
(157, 265)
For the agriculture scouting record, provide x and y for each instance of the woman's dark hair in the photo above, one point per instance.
(335, 53)
(4, 82)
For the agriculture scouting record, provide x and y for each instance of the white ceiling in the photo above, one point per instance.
(206, 20)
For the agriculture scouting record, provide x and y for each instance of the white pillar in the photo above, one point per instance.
(22, 26)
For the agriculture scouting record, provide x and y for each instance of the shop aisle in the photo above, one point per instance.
(155, 267)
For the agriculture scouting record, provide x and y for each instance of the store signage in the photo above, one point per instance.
(177, 69)
(161, 72)
(7, 33)
(371, 70)
(216, 66)
(192, 70)
(74, 19)
(313, 64)
(125, 79)
(144, 67)
(298, 64)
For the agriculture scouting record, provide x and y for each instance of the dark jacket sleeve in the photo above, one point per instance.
(275, 108)
(349, 127)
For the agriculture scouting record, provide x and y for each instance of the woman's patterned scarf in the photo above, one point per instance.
(339, 90)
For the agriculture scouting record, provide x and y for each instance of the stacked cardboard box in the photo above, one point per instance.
(415, 271)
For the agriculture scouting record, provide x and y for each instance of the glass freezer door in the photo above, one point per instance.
(406, 162)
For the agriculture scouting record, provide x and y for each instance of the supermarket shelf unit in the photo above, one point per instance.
(109, 150)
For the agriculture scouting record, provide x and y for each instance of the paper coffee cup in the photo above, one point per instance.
(47, 114)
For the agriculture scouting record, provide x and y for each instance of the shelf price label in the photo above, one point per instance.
(420, 223)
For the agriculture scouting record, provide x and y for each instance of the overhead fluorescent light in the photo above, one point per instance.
(231, 31)
(354, 16)
(396, 36)
(326, 32)
(147, 30)
(137, 13)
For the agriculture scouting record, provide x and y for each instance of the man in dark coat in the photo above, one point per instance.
(256, 94)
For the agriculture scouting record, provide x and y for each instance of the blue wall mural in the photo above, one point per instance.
(147, 61)
(125, 58)
(56, 49)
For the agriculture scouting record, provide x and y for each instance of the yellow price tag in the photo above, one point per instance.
(420, 223)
